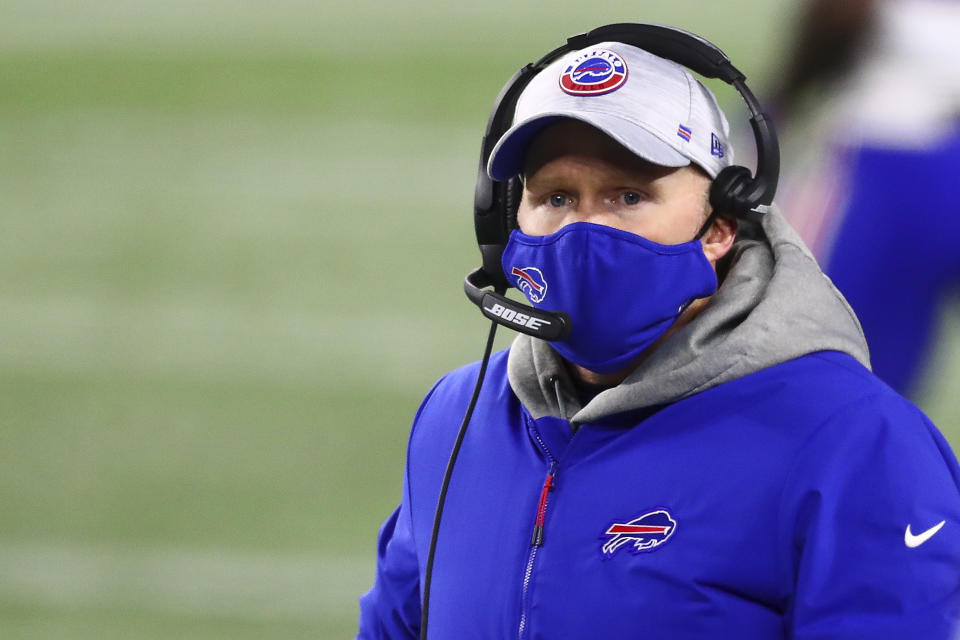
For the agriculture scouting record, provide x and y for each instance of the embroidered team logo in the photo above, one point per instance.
(645, 533)
(531, 282)
(594, 74)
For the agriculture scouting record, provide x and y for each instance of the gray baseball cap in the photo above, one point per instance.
(653, 107)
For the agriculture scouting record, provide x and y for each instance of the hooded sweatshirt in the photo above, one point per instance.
(750, 479)
(775, 304)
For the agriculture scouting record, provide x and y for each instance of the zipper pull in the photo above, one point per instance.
(537, 540)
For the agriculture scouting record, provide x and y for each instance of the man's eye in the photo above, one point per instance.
(557, 200)
(631, 197)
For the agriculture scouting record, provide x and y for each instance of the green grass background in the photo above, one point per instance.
(233, 240)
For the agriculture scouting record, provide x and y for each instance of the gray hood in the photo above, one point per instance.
(774, 305)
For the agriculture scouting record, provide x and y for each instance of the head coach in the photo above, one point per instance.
(685, 439)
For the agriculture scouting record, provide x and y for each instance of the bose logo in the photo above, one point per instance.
(521, 319)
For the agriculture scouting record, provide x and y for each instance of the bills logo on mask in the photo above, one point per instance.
(531, 282)
(594, 74)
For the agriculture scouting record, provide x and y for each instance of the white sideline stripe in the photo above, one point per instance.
(215, 582)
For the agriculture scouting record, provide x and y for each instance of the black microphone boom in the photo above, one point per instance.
(547, 325)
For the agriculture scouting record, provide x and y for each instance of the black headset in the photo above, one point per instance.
(734, 191)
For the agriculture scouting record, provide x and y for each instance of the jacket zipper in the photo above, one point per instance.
(536, 542)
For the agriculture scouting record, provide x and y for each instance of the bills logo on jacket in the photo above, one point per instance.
(594, 74)
(531, 282)
(645, 533)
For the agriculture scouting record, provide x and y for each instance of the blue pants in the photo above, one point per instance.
(897, 252)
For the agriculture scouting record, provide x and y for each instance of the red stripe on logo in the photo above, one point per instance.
(635, 528)
(526, 277)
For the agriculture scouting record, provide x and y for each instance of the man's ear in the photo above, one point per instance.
(719, 238)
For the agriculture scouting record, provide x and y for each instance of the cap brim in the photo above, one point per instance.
(508, 154)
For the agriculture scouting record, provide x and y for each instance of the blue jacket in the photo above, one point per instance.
(749, 479)
(799, 501)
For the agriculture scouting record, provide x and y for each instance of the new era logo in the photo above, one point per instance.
(716, 147)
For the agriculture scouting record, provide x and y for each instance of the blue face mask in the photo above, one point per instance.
(621, 291)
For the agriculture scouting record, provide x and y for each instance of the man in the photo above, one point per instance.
(707, 454)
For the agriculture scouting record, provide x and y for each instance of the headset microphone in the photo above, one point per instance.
(547, 325)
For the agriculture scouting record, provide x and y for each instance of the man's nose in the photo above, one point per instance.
(590, 210)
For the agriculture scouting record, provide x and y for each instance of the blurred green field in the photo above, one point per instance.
(221, 225)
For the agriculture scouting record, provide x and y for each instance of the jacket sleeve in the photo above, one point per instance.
(866, 553)
(391, 609)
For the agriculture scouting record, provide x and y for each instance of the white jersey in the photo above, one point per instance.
(906, 90)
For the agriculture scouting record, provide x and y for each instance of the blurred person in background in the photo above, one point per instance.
(872, 92)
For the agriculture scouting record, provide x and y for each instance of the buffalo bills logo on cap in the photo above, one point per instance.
(531, 282)
(593, 74)
(643, 534)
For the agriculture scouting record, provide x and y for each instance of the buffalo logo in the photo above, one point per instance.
(531, 282)
(594, 74)
(645, 533)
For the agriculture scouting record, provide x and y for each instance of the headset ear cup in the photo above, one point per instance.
(727, 187)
